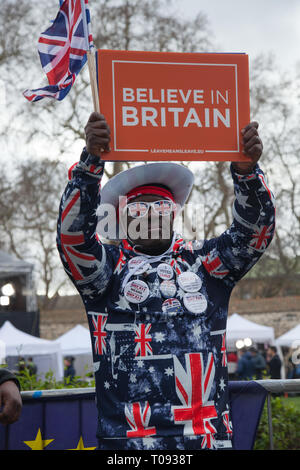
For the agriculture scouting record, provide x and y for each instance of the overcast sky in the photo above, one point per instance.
(253, 26)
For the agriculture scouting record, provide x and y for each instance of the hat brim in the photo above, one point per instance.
(177, 178)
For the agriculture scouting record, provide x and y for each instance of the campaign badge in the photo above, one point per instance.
(165, 271)
(136, 291)
(171, 306)
(189, 281)
(195, 302)
(138, 265)
(168, 288)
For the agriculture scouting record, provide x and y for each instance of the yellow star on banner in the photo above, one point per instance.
(38, 443)
(80, 446)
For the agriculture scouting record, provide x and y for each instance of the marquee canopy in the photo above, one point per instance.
(290, 338)
(46, 354)
(75, 341)
(239, 328)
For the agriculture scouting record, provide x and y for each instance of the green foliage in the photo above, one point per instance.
(31, 382)
(286, 426)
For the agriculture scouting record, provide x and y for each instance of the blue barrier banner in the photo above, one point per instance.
(247, 400)
(69, 421)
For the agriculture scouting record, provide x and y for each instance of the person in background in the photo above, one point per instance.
(232, 360)
(245, 369)
(258, 362)
(10, 397)
(31, 366)
(274, 363)
(69, 373)
(21, 364)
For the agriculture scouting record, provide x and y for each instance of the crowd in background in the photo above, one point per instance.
(254, 364)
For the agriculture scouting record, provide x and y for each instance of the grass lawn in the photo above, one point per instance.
(294, 400)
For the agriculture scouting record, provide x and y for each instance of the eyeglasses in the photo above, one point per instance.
(138, 209)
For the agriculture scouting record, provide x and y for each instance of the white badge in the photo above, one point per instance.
(165, 271)
(138, 261)
(189, 281)
(168, 288)
(171, 306)
(136, 291)
(195, 302)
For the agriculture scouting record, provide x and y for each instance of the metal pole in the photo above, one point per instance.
(269, 408)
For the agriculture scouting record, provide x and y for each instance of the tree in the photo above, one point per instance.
(47, 129)
(29, 201)
(49, 132)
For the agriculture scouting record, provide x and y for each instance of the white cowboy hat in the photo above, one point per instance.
(177, 178)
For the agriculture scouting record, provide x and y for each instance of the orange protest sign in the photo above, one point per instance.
(174, 106)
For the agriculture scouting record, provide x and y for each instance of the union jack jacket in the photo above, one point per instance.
(160, 363)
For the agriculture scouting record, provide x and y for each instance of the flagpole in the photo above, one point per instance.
(90, 57)
(93, 79)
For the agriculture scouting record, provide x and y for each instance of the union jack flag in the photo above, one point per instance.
(271, 196)
(143, 348)
(193, 388)
(175, 265)
(214, 265)
(226, 421)
(208, 442)
(138, 419)
(62, 49)
(74, 258)
(121, 263)
(99, 334)
(164, 207)
(260, 237)
(223, 350)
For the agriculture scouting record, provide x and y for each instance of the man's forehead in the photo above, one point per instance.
(148, 198)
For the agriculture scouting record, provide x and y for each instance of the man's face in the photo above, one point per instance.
(149, 226)
(270, 352)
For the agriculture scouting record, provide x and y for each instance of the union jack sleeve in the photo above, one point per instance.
(83, 256)
(233, 254)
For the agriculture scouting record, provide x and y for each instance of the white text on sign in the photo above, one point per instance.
(171, 115)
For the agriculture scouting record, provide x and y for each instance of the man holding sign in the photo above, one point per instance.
(156, 305)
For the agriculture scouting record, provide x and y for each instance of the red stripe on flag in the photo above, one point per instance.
(51, 42)
(60, 70)
(72, 239)
(75, 273)
(80, 255)
(77, 51)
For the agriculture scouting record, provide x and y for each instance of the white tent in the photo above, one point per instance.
(291, 338)
(2, 352)
(46, 354)
(239, 328)
(77, 343)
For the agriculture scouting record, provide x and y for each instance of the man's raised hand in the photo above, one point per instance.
(252, 147)
(97, 134)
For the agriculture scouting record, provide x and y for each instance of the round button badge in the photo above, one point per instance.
(195, 302)
(189, 281)
(136, 291)
(134, 263)
(171, 306)
(168, 288)
(165, 271)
